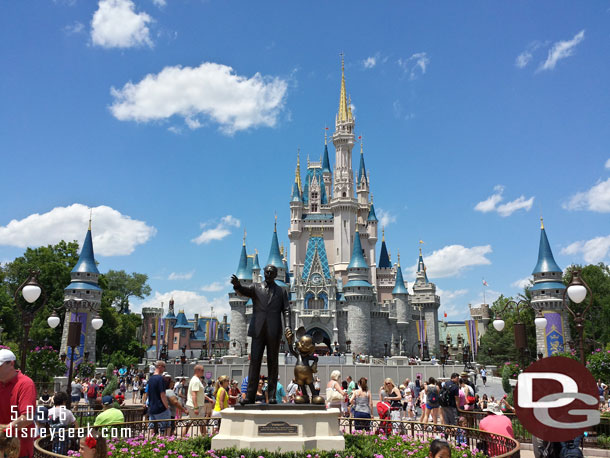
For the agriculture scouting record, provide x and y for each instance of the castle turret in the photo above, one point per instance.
(401, 300)
(275, 258)
(238, 303)
(547, 296)
(82, 299)
(425, 304)
(358, 293)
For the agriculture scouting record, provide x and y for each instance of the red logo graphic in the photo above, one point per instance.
(556, 399)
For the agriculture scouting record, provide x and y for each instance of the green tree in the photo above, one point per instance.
(119, 287)
(120, 330)
(498, 347)
(596, 329)
(54, 263)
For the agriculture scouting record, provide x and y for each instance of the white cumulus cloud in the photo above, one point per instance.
(181, 276)
(74, 28)
(592, 251)
(522, 283)
(526, 56)
(212, 91)
(189, 301)
(520, 203)
(561, 50)
(415, 65)
(596, 199)
(506, 209)
(490, 203)
(114, 234)
(369, 62)
(215, 287)
(160, 3)
(116, 24)
(385, 217)
(448, 302)
(452, 260)
(218, 232)
(608, 164)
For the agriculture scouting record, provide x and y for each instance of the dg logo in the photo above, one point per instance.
(556, 399)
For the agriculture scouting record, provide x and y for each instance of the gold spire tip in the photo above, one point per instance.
(398, 256)
(245, 236)
(383, 234)
(275, 223)
(90, 217)
(541, 223)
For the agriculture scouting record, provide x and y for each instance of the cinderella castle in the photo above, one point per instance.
(339, 286)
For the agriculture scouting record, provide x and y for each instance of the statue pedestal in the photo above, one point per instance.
(398, 361)
(282, 427)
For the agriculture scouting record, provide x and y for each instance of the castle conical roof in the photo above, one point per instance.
(546, 261)
(275, 257)
(86, 260)
(384, 257)
(357, 260)
(399, 283)
(325, 161)
(242, 267)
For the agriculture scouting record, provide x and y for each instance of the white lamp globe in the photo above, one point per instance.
(53, 321)
(97, 323)
(577, 293)
(31, 293)
(540, 322)
(499, 325)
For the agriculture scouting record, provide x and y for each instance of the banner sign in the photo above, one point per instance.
(553, 333)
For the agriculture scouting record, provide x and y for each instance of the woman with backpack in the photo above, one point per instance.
(393, 397)
(432, 401)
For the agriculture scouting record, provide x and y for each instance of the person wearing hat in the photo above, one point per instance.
(110, 414)
(17, 397)
(497, 423)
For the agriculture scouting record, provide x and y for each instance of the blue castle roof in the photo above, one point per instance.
(362, 169)
(182, 322)
(548, 285)
(357, 260)
(275, 257)
(384, 258)
(546, 261)
(83, 285)
(315, 244)
(354, 283)
(255, 264)
(399, 283)
(325, 161)
(86, 260)
(421, 266)
(317, 173)
(242, 267)
(296, 195)
(372, 215)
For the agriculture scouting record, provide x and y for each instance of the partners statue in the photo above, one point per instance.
(269, 302)
(303, 350)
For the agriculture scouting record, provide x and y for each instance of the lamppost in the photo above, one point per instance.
(577, 292)
(519, 328)
(246, 348)
(386, 349)
(443, 357)
(201, 354)
(31, 290)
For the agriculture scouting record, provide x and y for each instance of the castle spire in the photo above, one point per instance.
(399, 282)
(86, 260)
(357, 260)
(343, 108)
(275, 257)
(362, 179)
(384, 257)
(242, 267)
(298, 172)
(546, 261)
(421, 269)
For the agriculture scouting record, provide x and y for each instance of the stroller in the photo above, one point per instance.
(385, 425)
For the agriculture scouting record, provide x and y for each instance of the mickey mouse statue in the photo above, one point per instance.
(303, 350)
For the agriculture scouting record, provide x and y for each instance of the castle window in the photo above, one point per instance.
(175, 339)
(542, 292)
(88, 275)
(314, 208)
(87, 292)
(314, 195)
(182, 333)
(344, 194)
(543, 274)
(556, 291)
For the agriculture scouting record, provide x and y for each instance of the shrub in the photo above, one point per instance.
(598, 364)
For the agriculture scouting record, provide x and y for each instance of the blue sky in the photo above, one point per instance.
(178, 122)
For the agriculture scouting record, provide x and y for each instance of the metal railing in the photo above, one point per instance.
(523, 435)
(489, 443)
(60, 445)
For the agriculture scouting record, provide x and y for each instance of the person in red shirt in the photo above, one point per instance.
(497, 423)
(17, 403)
